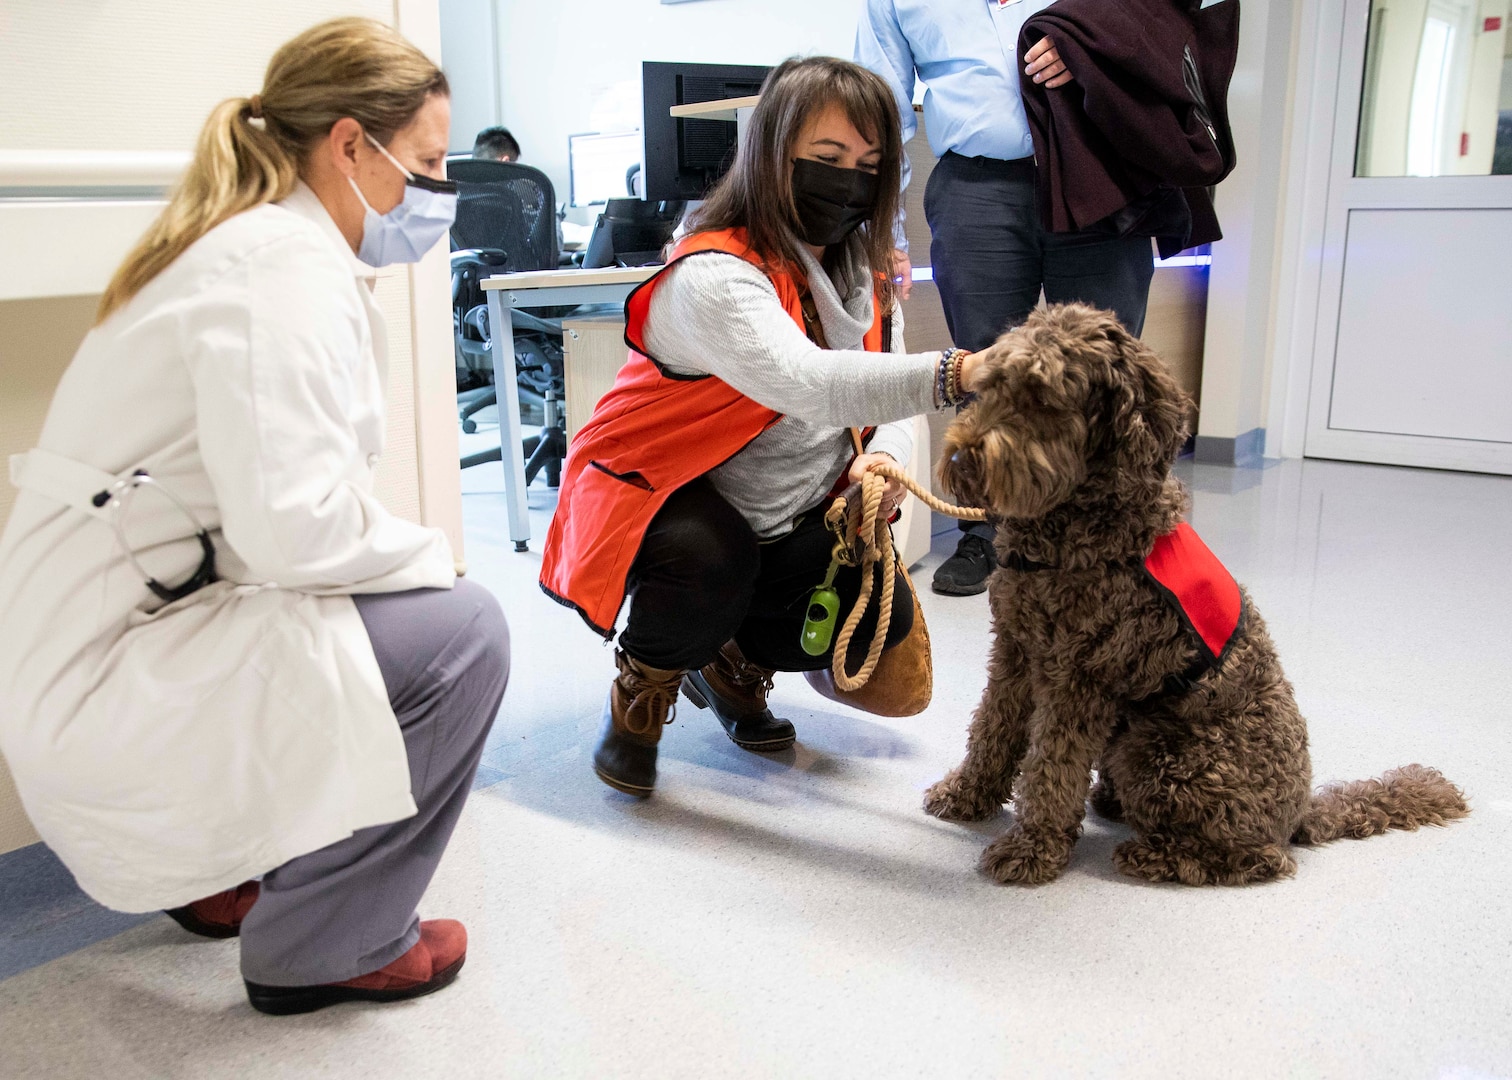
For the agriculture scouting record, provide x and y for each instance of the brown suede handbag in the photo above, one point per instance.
(902, 683)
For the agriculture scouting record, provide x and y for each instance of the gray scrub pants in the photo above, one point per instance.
(349, 909)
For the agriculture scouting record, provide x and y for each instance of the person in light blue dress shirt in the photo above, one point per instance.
(989, 254)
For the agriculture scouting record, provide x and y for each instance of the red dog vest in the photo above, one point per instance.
(1199, 589)
(653, 432)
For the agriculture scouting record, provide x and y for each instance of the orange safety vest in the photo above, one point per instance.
(653, 432)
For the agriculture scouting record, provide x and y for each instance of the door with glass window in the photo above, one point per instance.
(1413, 355)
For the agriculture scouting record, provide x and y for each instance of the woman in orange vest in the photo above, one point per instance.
(698, 486)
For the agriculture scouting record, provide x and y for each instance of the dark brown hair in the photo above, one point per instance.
(757, 193)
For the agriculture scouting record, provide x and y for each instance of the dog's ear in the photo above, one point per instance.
(1147, 411)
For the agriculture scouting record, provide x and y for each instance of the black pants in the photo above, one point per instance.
(991, 256)
(701, 578)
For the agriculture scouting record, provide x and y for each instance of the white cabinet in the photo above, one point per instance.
(1425, 325)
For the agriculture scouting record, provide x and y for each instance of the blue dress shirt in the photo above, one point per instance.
(966, 54)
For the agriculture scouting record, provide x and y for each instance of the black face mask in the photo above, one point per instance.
(832, 202)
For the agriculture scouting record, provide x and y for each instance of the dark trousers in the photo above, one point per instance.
(702, 578)
(991, 256)
(349, 908)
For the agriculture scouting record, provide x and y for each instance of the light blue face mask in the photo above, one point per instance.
(412, 228)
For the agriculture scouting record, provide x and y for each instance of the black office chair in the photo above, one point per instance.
(506, 222)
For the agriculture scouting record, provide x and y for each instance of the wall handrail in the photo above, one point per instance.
(67, 172)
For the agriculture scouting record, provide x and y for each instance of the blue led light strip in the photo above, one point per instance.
(926, 273)
(1185, 260)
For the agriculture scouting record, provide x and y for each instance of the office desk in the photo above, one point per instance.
(538, 288)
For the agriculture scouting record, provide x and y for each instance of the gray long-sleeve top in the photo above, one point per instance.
(716, 314)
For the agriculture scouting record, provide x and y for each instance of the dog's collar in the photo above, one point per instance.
(1020, 565)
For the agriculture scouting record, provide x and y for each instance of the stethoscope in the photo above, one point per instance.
(117, 497)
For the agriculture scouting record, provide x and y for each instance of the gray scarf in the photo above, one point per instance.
(844, 301)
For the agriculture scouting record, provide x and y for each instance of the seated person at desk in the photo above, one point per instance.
(699, 484)
(495, 144)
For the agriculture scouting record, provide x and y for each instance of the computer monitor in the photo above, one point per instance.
(686, 157)
(631, 233)
(598, 164)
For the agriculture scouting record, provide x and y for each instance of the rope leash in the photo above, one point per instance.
(923, 494)
(872, 530)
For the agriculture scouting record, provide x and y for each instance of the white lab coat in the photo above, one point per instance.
(166, 753)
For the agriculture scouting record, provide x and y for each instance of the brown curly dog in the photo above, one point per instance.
(1069, 447)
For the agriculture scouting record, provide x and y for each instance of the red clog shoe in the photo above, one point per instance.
(218, 916)
(431, 964)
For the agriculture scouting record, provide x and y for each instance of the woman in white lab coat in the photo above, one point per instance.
(310, 706)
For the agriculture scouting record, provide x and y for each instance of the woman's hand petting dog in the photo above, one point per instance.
(973, 371)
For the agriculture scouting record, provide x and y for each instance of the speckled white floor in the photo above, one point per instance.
(799, 916)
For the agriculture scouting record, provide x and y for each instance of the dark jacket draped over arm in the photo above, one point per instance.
(1141, 135)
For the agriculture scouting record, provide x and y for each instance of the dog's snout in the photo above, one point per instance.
(961, 473)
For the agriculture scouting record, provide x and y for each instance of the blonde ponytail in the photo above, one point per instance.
(250, 149)
(236, 166)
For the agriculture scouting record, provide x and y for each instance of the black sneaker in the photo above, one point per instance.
(966, 572)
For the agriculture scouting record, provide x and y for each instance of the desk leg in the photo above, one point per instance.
(501, 333)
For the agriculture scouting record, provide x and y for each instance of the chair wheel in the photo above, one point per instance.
(470, 426)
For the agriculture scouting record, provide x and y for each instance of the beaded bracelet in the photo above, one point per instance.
(948, 388)
(965, 396)
(942, 380)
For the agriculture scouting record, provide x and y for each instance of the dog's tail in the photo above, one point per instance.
(1406, 798)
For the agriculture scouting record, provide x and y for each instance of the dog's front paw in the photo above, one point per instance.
(1024, 857)
(954, 799)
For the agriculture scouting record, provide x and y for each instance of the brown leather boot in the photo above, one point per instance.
(639, 704)
(736, 690)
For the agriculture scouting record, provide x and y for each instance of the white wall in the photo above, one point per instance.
(470, 58)
(569, 66)
(1242, 285)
